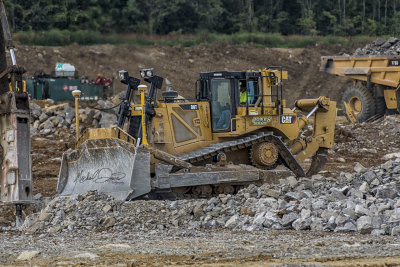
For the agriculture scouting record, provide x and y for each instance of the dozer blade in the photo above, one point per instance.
(318, 161)
(107, 165)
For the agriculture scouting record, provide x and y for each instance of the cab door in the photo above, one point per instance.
(222, 104)
(189, 121)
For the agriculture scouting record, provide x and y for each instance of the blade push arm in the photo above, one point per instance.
(324, 111)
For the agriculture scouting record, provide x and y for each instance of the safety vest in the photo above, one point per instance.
(243, 97)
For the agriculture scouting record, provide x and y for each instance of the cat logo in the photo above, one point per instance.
(288, 119)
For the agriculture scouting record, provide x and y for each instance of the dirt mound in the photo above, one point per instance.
(182, 65)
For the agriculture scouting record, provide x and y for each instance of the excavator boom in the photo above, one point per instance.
(15, 159)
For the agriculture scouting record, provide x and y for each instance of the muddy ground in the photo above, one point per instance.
(363, 143)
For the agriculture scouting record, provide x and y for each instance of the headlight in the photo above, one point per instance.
(123, 76)
(147, 73)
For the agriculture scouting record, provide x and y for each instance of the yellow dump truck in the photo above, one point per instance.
(375, 89)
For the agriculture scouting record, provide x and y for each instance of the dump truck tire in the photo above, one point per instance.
(361, 101)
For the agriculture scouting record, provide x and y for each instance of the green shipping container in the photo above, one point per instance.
(60, 89)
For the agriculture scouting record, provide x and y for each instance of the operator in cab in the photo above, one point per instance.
(243, 93)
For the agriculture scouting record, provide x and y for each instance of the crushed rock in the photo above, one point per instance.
(366, 201)
(47, 120)
(380, 47)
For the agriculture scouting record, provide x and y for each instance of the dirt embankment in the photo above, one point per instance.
(183, 65)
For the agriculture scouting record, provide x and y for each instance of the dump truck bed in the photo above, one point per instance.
(384, 70)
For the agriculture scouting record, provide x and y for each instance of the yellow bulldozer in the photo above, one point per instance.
(236, 131)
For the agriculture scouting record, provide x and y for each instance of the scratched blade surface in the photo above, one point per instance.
(108, 166)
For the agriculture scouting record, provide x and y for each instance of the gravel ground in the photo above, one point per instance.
(235, 230)
(193, 247)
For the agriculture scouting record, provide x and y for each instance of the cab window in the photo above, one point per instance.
(248, 91)
(221, 104)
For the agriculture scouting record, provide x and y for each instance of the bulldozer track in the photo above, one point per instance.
(246, 142)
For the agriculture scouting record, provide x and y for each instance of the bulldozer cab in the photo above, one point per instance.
(227, 92)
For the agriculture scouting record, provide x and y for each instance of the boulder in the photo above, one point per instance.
(288, 219)
(28, 255)
(51, 110)
(232, 222)
(358, 168)
(43, 117)
(259, 219)
(107, 120)
(302, 224)
(364, 225)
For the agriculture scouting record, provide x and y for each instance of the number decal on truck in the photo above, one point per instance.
(394, 63)
(189, 107)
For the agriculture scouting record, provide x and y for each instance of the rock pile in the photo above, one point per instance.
(390, 47)
(45, 121)
(362, 137)
(366, 201)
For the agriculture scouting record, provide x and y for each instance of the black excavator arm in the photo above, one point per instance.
(135, 127)
(132, 84)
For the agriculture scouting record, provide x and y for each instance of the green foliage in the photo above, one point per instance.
(56, 37)
(26, 37)
(335, 40)
(256, 21)
(258, 39)
(264, 39)
(86, 37)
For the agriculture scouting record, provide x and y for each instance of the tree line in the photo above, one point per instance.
(290, 17)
